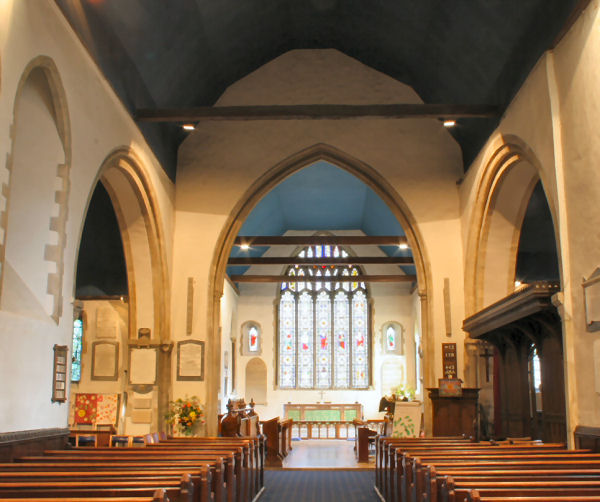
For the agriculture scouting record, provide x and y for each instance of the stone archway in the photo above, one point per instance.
(136, 208)
(252, 196)
(501, 199)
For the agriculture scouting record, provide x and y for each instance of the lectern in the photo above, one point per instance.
(454, 416)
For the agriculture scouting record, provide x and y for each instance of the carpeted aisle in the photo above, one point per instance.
(319, 486)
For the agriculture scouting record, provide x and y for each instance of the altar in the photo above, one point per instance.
(323, 420)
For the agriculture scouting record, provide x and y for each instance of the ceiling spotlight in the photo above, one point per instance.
(518, 284)
(403, 245)
(245, 247)
(449, 123)
(188, 127)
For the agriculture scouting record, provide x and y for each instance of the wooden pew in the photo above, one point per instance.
(278, 435)
(158, 496)
(408, 489)
(139, 469)
(247, 474)
(412, 482)
(464, 492)
(256, 455)
(181, 491)
(220, 473)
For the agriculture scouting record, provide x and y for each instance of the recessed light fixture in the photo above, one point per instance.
(245, 247)
(518, 284)
(188, 127)
(403, 245)
(449, 123)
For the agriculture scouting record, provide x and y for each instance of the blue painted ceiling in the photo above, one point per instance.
(320, 197)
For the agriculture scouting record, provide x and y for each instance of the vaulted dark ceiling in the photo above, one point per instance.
(182, 53)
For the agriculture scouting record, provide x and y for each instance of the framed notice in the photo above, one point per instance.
(190, 360)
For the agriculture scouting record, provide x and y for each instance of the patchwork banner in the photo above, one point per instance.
(85, 408)
(96, 409)
(107, 409)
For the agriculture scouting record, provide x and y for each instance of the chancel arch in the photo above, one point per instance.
(270, 179)
(36, 195)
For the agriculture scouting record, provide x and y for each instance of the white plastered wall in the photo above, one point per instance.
(99, 124)
(418, 158)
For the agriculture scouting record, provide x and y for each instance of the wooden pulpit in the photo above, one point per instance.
(454, 416)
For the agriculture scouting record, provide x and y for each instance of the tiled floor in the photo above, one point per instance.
(322, 454)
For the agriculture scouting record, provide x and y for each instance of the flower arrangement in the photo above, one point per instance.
(184, 414)
(404, 392)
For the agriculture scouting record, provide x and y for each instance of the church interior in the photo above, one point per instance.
(302, 209)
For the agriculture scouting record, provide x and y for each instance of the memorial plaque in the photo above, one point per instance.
(142, 366)
(190, 360)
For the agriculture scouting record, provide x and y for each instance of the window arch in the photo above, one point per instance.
(323, 327)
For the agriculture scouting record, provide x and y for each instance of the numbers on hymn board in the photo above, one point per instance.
(449, 360)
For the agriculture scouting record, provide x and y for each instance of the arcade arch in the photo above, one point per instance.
(136, 209)
(501, 200)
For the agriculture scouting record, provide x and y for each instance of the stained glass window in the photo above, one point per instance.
(323, 335)
(253, 339)
(77, 345)
(390, 338)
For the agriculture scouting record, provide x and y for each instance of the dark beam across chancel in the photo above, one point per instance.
(316, 112)
(348, 260)
(320, 240)
(516, 326)
(312, 279)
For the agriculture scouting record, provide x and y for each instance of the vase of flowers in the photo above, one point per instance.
(185, 414)
(404, 393)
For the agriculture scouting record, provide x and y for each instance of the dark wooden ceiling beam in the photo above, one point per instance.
(312, 279)
(315, 112)
(323, 240)
(350, 260)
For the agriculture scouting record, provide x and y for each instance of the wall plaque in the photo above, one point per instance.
(142, 366)
(105, 361)
(190, 360)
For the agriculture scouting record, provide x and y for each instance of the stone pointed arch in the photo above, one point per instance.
(505, 187)
(53, 253)
(138, 215)
(266, 182)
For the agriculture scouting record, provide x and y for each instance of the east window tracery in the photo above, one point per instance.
(323, 327)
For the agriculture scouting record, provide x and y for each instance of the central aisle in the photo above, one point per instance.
(323, 453)
(322, 485)
(318, 470)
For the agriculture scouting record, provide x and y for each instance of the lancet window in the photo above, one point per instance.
(323, 326)
(77, 346)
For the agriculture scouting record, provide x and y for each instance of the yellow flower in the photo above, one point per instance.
(193, 415)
